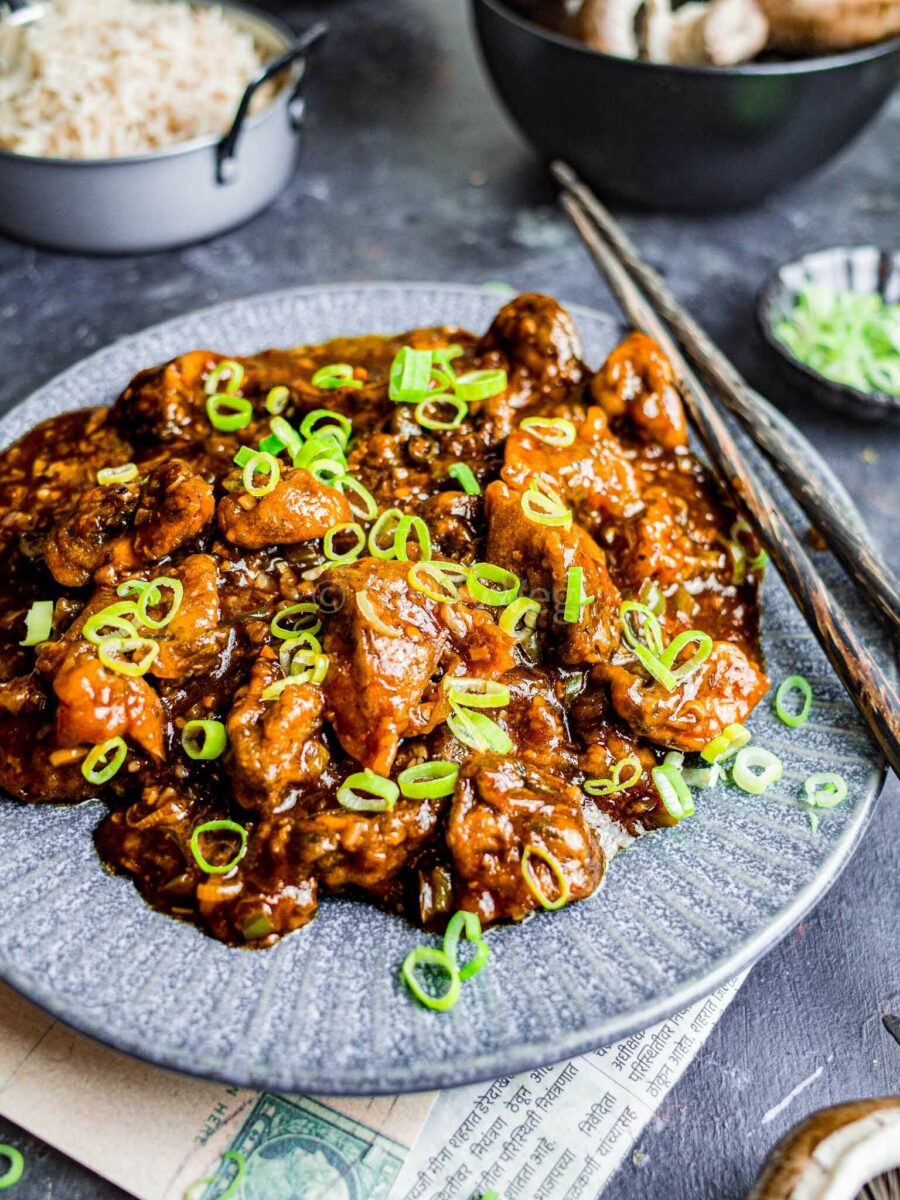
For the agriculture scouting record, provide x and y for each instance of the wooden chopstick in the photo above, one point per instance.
(861, 676)
(851, 546)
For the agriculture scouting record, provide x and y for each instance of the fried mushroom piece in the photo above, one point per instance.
(276, 747)
(541, 557)
(298, 509)
(637, 382)
(167, 403)
(594, 474)
(175, 506)
(193, 638)
(368, 851)
(33, 765)
(721, 692)
(388, 646)
(82, 540)
(95, 704)
(501, 807)
(537, 335)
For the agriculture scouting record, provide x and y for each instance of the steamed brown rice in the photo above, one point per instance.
(109, 78)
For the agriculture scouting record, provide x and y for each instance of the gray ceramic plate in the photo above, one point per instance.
(680, 912)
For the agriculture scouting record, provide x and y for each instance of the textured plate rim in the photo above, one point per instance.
(523, 1056)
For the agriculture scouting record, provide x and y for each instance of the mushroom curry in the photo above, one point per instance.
(412, 617)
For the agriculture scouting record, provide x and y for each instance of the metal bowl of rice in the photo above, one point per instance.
(139, 125)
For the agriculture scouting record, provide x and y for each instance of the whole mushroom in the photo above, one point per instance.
(833, 1154)
(823, 26)
(717, 32)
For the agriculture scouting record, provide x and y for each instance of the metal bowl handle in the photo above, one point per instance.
(226, 151)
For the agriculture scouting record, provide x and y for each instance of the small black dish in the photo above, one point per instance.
(680, 138)
(863, 269)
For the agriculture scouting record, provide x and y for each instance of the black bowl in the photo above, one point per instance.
(856, 268)
(669, 137)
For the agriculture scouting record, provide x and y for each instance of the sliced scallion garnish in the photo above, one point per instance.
(306, 620)
(673, 791)
(151, 595)
(425, 412)
(490, 584)
(465, 477)
(367, 791)
(438, 580)
(361, 501)
(204, 740)
(469, 922)
(218, 827)
(428, 780)
(728, 742)
(480, 385)
(13, 1172)
(335, 375)
(406, 528)
(409, 375)
(575, 600)
(794, 683)
(615, 783)
(825, 789)
(104, 760)
(519, 619)
(126, 473)
(542, 504)
(533, 883)
(115, 654)
(228, 413)
(553, 431)
(382, 535)
(430, 956)
(755, 769)
(229, 370)
(467, 691)
(277, 400)
(343, 530)
(38, 623)
(478, 731)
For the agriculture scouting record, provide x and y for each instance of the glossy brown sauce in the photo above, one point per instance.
(644, 508)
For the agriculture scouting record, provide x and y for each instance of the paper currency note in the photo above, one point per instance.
(556, 1133)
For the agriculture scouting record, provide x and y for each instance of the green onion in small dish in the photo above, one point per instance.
(834, 320)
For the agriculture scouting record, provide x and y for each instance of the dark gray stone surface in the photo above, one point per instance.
(411, 172)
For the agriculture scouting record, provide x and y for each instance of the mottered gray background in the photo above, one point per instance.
(410, 171)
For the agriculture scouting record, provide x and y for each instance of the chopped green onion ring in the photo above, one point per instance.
(335, 375)
(430, 956)
(286, 434)
(615, 783)
(382, 792)
(316, 448)
(13, 1172)
(544, 506)
(229, 413)
(410, 375)
(673, 791)
(302, 640)
(361, 501)
(468, 691)
(331, 424)
(109, 649)
(436, 580)
(482, 578)
(575, 599)
(649, 634)
(277, 400)
(113, 618)
(150, 595)
(228, 368)
(328, 471)
(406, 527)
(126, 473)
(307, 621)
(306, 666)
(265, 464)
(346, 556)
(702, 777)
(218, 827)
(38, 623)
(533, 884)
(825, 789)
(104, 760)
(755, 768)
(519, 619)
(470, 922)
(204, 740)
(794, 683)
(465, 477)
(554, 431)
(428, 780)
(389, 523)
(477, 731)
(443, 357)
(728, 742)
(480, 385)
(245, 453)
(425, 408)
(669, 657)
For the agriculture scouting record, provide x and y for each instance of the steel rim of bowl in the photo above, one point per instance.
(819, 64)
(281, 34)
(881, 403)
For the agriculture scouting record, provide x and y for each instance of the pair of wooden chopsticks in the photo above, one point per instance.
(624, 271)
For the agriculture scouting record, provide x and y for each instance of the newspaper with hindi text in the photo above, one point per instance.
(555, 1133)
